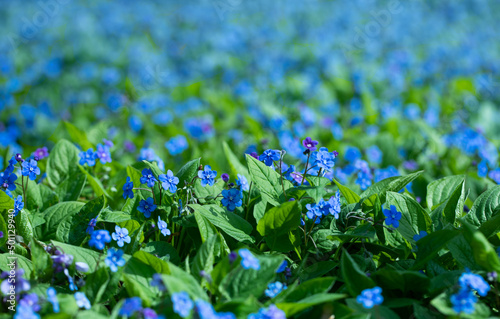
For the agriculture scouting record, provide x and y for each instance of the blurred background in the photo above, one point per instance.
(405, 85)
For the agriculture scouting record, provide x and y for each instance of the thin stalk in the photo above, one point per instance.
(305, 170)
(281, 177)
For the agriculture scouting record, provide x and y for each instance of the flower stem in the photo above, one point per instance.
(305, 169)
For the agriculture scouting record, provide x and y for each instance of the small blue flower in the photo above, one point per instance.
(464, 301)
(103, 153)
(272, 312)
(269, 156)
(313, 211)
(351, 154)
(52, 298)
(393, 216)
(334, 206)
(282, 267)
(82, 300)
(114, 259)
(420, 235)
(370, 297)
(8, 179)
(169, 181)
(99, 238)
(121, 236)
(274, 288)
(157, 281)
(130, 306)
(25, 312)
(148, 177)
(482, 169)
(176, 145)
(182, 303)
(374, 154)
(18, 205)
(30, 301)
(205, 310)
(162, 226)
(231, 199)
(128, 189)
(30, 168)
(323, 159)
(147, 206)
(242, 182)
(248, 260)
(472, 281)
(71, 281)
(91, 225)
(87, 157)
(207, 176)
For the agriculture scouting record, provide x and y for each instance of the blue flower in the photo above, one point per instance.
(87, 157)
(269, 156)
(121, 236)
(91, 225)
(282, 267)
(162, 226)
(169, 181)
(176, 145)
(128, 189)
(374, 154)
(231, 199)
(71, 281)
(242, 182)
(272, 312)
(148, 177)
(313, 211)
(482, 169)
(351, 154)
(274, 288)
(30, 168)
(30, 301)
(103, 154)
(52, 298)
(99, 238)
(472, 281)
(114, 259)
(18, 205)
(157, 281)
(205, 310)
(147, 206)
(248, 260)
(7, 180)
(25, 312)
(370, 297)
(182, 303)
(323, 159)
(334, 206)
(82, 300)
(20, 284)
(393, 216)
(420, 235)
(364, 180)
(464, 301)
(207, 176)
(130, 306)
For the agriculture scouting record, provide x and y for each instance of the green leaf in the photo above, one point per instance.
(4, 229)
(205, 258)
(413, 217)
(228, 222)
(241, 283)
(234, 163)
(78, 136)
(206, 228)
(95, 183)
(349, 195)
(178, 280)
(278, 222)
(355, 279)
(484, 254)
(73, 229)
(430, 245)
(96, 284)
(462, 251)
(110, 216)
(454, 206)
(71, 188)
(62, 162)
(80, 254)
(402, 280)
(6, 202)
(484, 206)
(22, 263)
(310, 288)
(267, 181)
(440, 190)
(391, 184)
(163, 250)
(54, 215)
(492, 226)
(291, 309)
(188, 172)
(24, 226)
(42, 263)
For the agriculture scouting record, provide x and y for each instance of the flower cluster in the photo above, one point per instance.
(102, 153)
(465, 299)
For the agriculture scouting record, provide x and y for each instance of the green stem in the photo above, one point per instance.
(305, 169)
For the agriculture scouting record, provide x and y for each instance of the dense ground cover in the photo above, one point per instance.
(225, 159)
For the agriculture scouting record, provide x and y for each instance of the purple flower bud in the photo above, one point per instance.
(36, 158)
(254, 155)
(230, 184)
(232, 257)
(5, 185)
(19, 158)
(335, 153)
(225, 177)
(492, 276)
(291, 199)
